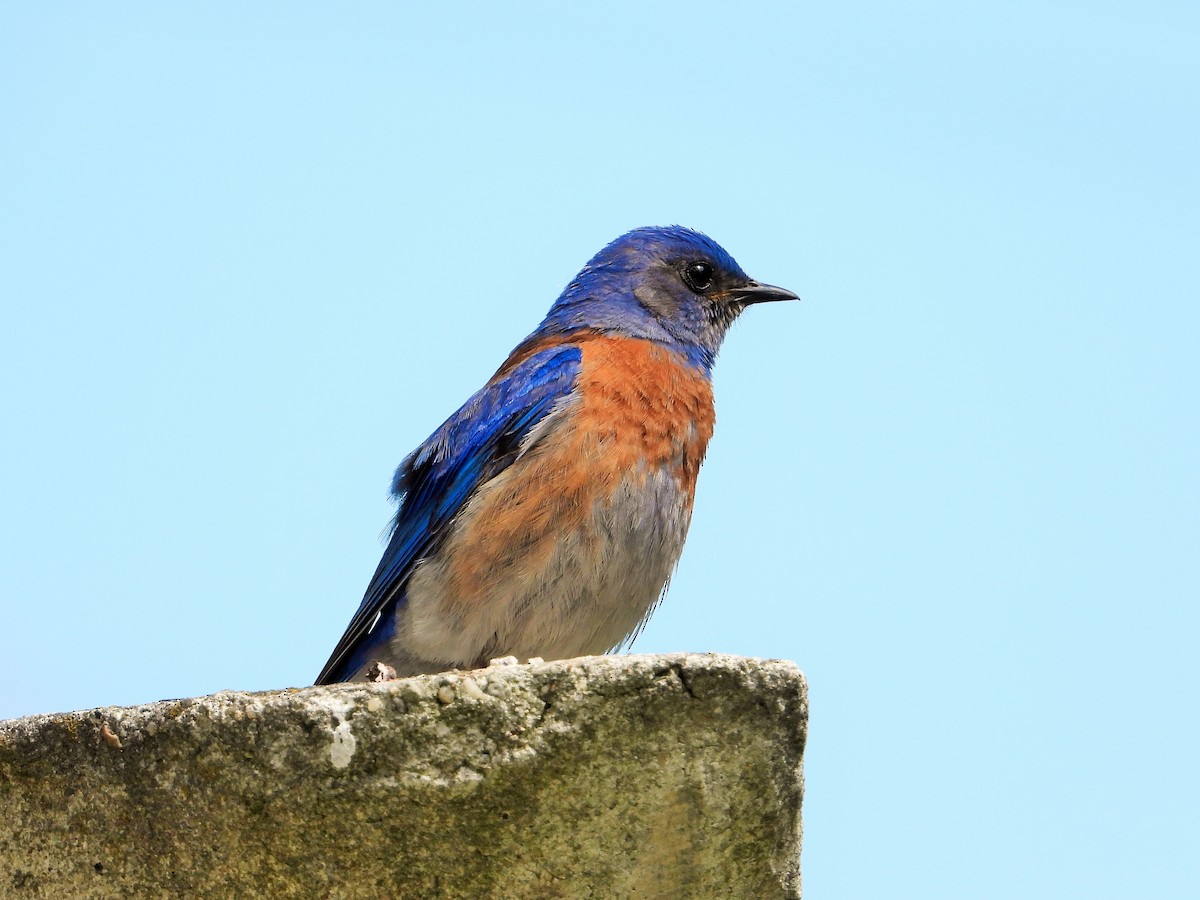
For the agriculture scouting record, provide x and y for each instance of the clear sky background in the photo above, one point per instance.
(252, 254)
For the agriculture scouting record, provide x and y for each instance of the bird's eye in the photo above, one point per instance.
(699, 276)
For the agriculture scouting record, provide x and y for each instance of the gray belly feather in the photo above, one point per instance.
(601, 582)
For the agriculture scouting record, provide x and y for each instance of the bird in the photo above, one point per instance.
(546, 516)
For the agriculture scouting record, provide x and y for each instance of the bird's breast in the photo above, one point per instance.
(641, 405)
(565, 551)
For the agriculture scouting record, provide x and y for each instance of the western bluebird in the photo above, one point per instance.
(545, 517)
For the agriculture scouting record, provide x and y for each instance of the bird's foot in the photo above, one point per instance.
(380, 672)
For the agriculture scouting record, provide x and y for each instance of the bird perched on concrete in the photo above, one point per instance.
(545, 517)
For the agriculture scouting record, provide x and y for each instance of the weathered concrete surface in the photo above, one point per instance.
(627, 776)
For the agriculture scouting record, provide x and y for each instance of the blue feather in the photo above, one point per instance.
(473, 446)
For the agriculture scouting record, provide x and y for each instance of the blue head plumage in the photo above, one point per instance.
(671, 285)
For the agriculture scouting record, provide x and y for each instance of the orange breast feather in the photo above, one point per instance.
(639, 409)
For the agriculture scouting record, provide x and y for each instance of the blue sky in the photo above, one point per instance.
(254, 253)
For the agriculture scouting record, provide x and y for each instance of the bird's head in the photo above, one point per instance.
(671, 285)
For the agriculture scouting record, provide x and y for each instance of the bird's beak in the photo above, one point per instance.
(761, 293)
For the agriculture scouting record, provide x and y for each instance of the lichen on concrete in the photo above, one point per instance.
(619, 776)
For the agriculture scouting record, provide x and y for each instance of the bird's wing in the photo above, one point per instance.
(474, 445)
